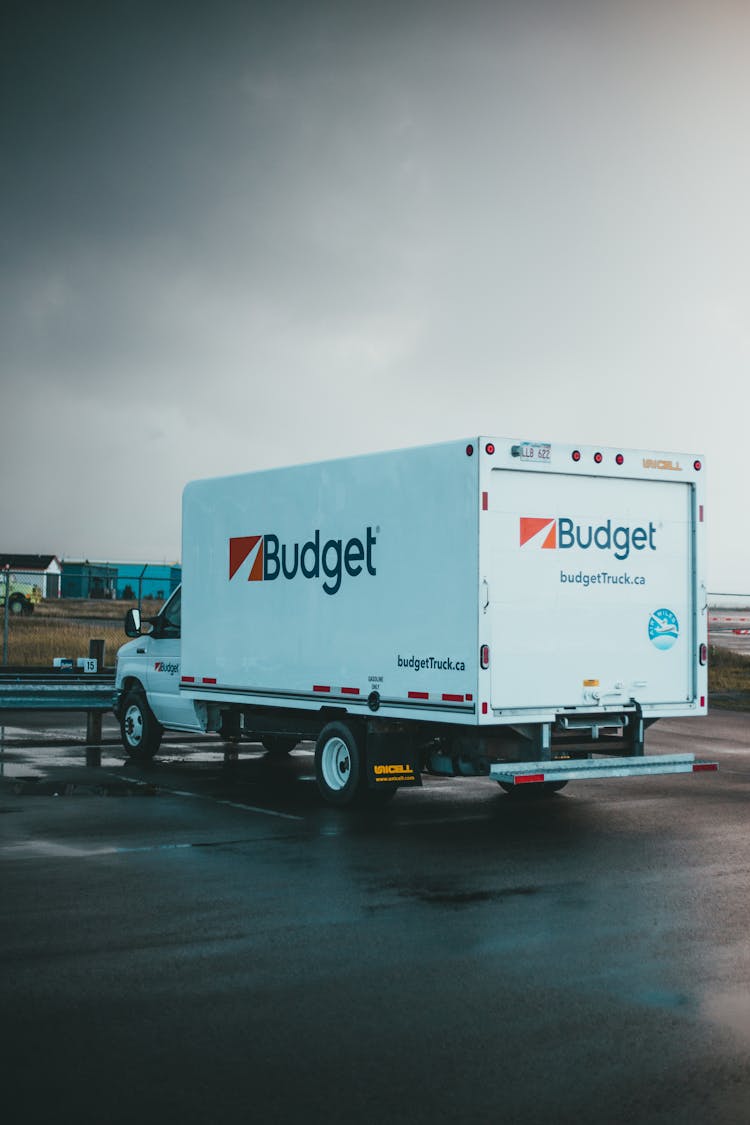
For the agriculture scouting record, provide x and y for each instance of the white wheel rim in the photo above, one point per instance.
(336, 763)
(134, 725)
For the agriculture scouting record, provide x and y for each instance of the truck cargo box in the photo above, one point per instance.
(482, 582)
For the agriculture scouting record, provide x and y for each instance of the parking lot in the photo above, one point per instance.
(202, 940)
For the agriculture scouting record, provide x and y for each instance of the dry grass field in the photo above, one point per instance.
(64, 627)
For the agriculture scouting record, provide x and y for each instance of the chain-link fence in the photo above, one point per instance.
(20, 593)
(45, 616)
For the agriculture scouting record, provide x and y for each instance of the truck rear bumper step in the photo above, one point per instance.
(565, 770)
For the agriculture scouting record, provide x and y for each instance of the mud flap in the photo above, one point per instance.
(391, 758)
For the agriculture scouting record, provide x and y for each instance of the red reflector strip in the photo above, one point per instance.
(452, 698)
(703, 701)
(350, 691)
(209, 679)
(418, 694)
(700, 513)
(485, 501)
(188, 679)
(529, 777)
(469, 698)
(484, 708)
(319, 687)
(704, 767)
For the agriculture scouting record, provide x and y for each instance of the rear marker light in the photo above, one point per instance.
(598, 458)
(484, 708)
(703, 701)
(469, 450)
(533, 777)
(620, 459)
(484, 656)
(697, 466)
(576, 455)
(489, 448)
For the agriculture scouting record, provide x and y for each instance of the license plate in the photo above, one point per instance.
(535, 451)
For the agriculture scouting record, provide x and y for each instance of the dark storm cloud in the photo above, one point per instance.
(242, 234)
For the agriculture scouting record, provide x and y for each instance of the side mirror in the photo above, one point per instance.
(133, 623)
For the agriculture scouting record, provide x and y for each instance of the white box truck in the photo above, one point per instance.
(520, 610)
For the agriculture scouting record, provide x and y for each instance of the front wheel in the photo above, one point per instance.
(140, 730)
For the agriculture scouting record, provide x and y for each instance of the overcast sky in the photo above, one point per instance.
(238, 235)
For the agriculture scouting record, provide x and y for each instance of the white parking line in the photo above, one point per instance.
(205, 797)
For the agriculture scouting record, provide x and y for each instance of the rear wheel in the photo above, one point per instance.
(532, 789)
(140, 730)
(339, 764)
(341, 769)
(17, 604)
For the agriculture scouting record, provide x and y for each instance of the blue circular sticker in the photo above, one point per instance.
(663, 628)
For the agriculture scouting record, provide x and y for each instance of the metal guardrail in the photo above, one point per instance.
(62, 691)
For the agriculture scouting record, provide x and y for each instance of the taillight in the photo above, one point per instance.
(576, 455)
(697, 466)
(598, 458)
(484, 656)
(620, 459)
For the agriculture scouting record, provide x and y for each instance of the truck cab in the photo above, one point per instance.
(147, 681)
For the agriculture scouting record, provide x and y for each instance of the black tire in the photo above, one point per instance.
(17, 604)
(340, 765)
(278, 745)
(532, 790)
(140, 731)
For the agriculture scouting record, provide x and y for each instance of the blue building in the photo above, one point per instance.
(147, 580)
(127, 580)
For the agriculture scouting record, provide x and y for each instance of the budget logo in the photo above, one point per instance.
(562, 533)
(544, 531)
(243, 548)
(264, 558)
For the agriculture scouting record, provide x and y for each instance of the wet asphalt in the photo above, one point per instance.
(204, 941)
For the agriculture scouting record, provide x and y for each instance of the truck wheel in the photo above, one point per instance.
(17, 603)
(278, 744)
(533, 789)
(141, 733)
(339, 765)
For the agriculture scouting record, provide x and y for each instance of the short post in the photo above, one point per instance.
(94, 718)
(7, 614)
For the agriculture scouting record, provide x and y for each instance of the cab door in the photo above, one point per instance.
(163, 668)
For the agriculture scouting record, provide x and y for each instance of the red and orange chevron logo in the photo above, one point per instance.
(239, 549)
(532, 527)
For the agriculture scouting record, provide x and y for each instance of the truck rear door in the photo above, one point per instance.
(591, 589)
